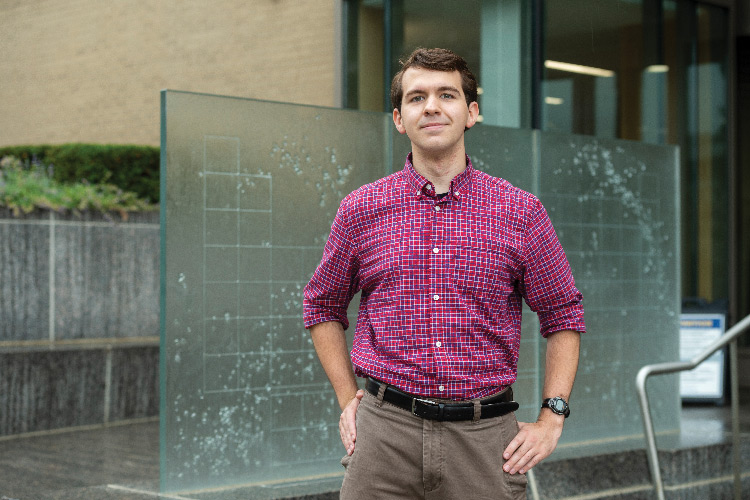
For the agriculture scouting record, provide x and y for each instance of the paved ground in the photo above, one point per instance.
(81, 463)
(121, 462)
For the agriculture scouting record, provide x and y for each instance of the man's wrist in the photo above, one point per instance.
(347, 400)
(548, 416)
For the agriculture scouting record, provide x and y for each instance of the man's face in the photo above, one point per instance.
(433, 112)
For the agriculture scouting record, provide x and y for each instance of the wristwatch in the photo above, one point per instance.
(557, 405)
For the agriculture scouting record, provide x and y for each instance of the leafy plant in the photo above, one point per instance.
(29, 185)
(131, 167)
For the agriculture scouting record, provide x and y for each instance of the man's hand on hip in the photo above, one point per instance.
(533, 443)
(330, 344)
(348, 422)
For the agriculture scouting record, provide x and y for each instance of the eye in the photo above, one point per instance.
(417, 98)
(448, 96)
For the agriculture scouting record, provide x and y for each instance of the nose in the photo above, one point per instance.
(432, 105)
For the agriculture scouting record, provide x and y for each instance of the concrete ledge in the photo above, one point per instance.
(76, 344)
(56, 388)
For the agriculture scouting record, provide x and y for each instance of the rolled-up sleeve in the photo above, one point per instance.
(548, 286)
(334, 283)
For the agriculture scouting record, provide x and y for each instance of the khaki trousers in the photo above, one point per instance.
(400, 456)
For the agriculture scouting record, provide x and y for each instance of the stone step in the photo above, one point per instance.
(698, 472)
(692, 473)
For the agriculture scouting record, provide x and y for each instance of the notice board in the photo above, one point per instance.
(705, 383)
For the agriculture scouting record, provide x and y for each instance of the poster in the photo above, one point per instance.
(706, 381)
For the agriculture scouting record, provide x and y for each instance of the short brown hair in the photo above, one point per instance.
(436, 60)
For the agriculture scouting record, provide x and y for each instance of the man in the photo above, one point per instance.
(443, 255)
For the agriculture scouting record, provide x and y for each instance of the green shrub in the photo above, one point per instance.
(131, 168)
(26, 186)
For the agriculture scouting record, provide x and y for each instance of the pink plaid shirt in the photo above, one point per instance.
(442, 281)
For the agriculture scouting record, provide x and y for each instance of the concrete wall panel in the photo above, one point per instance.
(134, 391)
(48, 390)
(106, 279)
(44, 390)
(24, 279)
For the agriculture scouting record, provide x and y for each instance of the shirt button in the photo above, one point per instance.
(438, 343)
(437, 208)
(428, 186)
(436, 250)
(436, 297)
(441, 388)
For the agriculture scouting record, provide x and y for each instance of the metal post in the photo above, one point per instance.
(533, 489)
(735, 395)
(648, 427)
(730, 337)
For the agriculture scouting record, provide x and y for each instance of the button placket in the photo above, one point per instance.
(437, 263)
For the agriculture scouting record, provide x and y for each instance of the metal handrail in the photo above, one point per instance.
(663, 368)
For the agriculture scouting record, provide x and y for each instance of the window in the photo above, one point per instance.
(654, 71)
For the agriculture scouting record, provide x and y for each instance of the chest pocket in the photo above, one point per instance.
(482, 270)
(380, 258)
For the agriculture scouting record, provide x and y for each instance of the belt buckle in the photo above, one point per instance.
(423, 401)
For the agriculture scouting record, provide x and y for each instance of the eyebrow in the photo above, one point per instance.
(439, 89)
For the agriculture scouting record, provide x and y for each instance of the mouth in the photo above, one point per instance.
(432, 126)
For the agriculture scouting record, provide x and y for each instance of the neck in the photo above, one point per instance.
(439, 170)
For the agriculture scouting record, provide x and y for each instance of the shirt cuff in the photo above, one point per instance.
(313, 316)
(570, 318)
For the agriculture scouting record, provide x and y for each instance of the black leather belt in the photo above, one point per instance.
(495, 406)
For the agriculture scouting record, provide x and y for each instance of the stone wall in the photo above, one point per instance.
(79, 320)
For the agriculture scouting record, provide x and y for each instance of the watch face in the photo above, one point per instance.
(559, 405)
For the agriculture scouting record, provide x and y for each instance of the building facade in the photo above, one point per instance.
(87, 71)
(655, 71)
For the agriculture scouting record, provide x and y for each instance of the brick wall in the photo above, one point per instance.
(91, 71)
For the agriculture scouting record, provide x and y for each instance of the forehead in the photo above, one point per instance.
(422, 79)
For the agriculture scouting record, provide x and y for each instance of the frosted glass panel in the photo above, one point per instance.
(249, 192)
(507, 153)
(614, 206)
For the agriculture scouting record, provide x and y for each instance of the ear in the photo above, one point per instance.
(398, 121)
(471, 120)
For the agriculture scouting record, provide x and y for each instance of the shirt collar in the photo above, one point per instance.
(421, 186)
